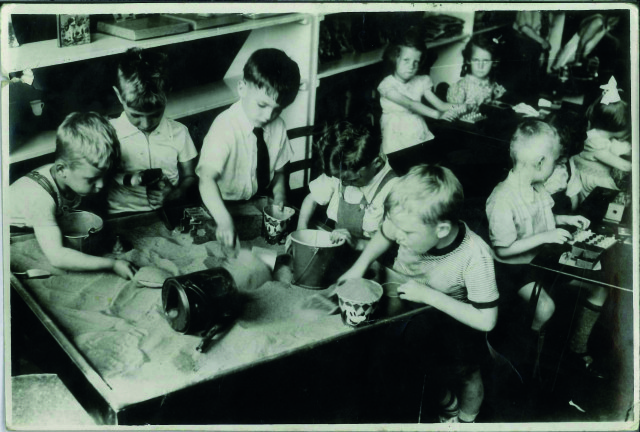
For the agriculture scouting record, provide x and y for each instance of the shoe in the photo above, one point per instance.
(445, 419)
(585, 364)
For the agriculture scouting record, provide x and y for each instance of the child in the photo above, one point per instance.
(450, 268)
(86, 149)
(478, 84)
(402, 122)
(354, 185)
(606, 143)
(246, 149)
(520, 216)
(148, 139)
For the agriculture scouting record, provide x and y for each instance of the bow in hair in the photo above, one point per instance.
(610, 92)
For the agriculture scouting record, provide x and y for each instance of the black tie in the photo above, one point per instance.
(262, 168)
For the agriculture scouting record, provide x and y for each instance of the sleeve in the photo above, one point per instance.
(427, 84)
(286, 152)
(386, 86)
(574, 185)
(480, 279)
(502, 228)
(596, 144)
(216, 148)
(323, 188)
(188, 150)
(456, 93)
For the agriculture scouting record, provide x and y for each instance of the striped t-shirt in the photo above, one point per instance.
(462, 270)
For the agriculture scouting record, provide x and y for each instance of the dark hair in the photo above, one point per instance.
(412, 38)
(345, 146)
(142, 79)
(272, 70)
(613, 117)
(483, 42)
(572, 129)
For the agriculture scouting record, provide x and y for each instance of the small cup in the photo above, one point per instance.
(37, 106)
(275, 223)
(358, 299)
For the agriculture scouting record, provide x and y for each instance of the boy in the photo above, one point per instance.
(521, 220)
(450, 268)
(355, 183)
(86, 149)
(246, 149)
(150, 142)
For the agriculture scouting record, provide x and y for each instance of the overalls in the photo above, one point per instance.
(350, 216)
(61, 208)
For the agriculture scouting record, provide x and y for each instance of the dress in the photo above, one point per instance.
(471, 90)
(591, 171)
(402, 128)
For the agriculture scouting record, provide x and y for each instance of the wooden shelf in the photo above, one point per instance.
(181, 104)
(349, 62)
(46, 53)
(490, 28)
(447, 41)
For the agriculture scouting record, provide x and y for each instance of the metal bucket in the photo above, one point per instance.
(313, 257)
(82, 231)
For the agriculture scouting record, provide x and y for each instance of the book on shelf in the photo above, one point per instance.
(199, 21)
(73, 30)
(143, 28)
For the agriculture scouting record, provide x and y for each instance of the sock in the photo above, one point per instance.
(449, 405)
(586, 318)
(466, 417)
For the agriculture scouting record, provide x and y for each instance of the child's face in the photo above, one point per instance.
(145, 121)
(260, 108)
(83, 178)
(481, 62)
(359, 178)
(409, 230)
(550, 159)
(407, 63)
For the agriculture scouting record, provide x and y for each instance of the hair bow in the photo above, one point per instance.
(610, 92)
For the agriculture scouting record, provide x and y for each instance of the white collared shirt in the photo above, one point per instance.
(168, 145)
(229, 149)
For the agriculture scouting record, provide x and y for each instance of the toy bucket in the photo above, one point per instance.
(313, 257)
(276, 223)
(81, 231)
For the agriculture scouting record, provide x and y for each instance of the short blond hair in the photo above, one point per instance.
(87, 136)
(532, 139)
(431, 192)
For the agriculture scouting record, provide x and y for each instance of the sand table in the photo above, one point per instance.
(120, 328)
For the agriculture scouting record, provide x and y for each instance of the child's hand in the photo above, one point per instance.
(279, 201)
(415, 292)
(449, 115)
(226, 232)
(339, 234)
(558, 235)
(157, 194)
(124, 269)
(353, 273)
(577, 221)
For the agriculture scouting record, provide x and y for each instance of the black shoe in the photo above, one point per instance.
(585, 364)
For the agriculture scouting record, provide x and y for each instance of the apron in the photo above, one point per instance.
(350, 216)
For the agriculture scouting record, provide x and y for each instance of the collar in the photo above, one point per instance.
(479, 82)
(245, 124)
(125, 129)
(462, 231)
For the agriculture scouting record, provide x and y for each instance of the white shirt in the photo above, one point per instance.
(165, 147)
(31, 206)
(229, 149)
(326, 190)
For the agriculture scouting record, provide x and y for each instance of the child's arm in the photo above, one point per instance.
(212, 198)
(574, 220)
(436, 102)
(279, 189)
(414, 106)
(50, 240)
(376, 247)
(306, 211)
(608, 158)
(187, 178)
(521, 246)
(479, 319)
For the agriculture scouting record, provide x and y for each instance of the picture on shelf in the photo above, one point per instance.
(73, 30)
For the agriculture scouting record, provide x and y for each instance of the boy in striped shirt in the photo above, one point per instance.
(448, 267)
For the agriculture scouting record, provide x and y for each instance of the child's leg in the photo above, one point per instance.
(471, 397)
(544, 309)
(449, 407)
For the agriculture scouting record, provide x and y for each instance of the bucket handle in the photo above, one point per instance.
(315, 252)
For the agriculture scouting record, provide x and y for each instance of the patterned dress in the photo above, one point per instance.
(473, 91)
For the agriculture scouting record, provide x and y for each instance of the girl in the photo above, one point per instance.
(477, 85)
(403, 126)
(606, 144)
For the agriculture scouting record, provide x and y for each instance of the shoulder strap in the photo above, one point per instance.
(388, 177)
(45, 183)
